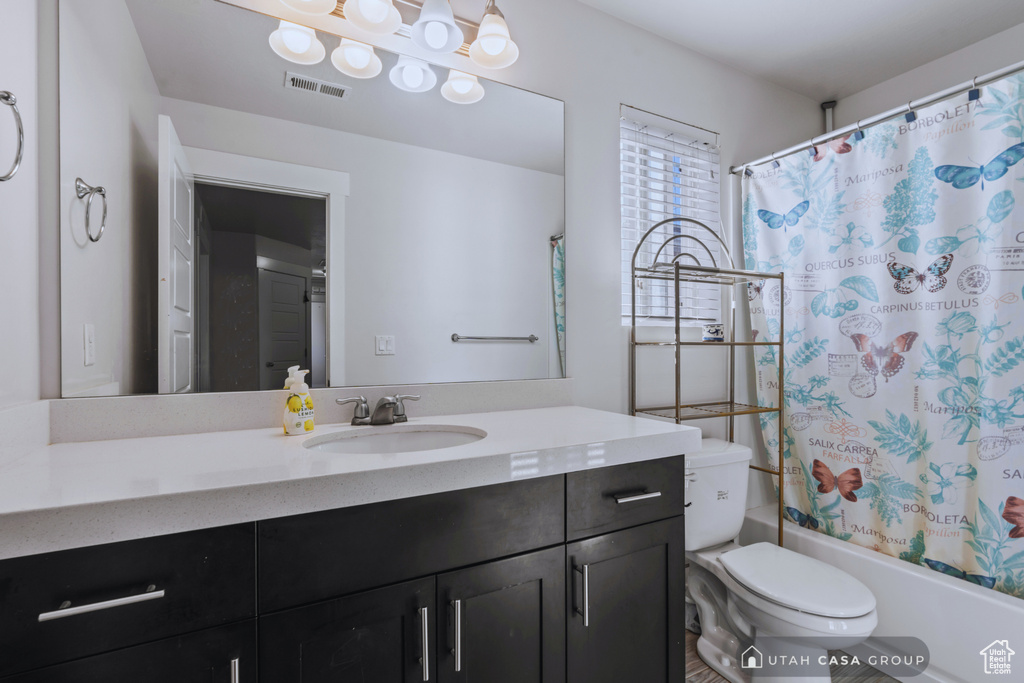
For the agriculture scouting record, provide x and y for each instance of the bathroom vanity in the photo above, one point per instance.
(551, 550)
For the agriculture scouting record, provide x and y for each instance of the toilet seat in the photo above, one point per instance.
(797, 582)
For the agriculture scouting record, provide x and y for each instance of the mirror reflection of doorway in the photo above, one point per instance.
(260, 280)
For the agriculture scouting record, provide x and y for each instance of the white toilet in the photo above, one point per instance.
(760, 603)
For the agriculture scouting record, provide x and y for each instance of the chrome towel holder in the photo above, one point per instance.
(82, 189)
(11, 101)
(458, 337)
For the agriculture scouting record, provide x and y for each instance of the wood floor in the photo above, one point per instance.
(699, 672)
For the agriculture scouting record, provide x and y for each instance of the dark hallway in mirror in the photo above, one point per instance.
(260, 283)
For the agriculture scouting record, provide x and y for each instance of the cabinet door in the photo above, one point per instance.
(504, 621)
(220, 655)
(625, 599)
(384, 636)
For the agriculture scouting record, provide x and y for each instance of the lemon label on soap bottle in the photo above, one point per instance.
(298, 416)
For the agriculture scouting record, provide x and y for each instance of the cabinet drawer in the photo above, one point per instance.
(322, 555)
(610, 498)
(73, 603)
(223, 655)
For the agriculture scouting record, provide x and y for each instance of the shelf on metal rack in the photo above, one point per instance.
(697, 411)
(708, 343)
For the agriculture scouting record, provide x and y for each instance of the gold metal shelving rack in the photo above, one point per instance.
(672, 268)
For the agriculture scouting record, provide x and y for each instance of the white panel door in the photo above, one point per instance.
(176, 326)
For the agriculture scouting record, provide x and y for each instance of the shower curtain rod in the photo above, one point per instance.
(976, 82)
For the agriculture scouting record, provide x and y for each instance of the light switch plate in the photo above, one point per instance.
(384, 345)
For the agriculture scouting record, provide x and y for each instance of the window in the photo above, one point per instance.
(668, 169)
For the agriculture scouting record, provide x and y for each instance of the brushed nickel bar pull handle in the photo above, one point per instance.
(425, 659)
(235, 677)
(11, 101)
(457, 604)
(620, 499)
(585, 612)
(150, 594)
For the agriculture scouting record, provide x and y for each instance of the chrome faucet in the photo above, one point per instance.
(384, 412)
(389, 409)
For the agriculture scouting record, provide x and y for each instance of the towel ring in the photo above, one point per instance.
(82, 189)
(11, 101)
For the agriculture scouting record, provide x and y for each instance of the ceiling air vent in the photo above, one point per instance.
(295, 81)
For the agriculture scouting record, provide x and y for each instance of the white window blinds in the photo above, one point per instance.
(668, 169)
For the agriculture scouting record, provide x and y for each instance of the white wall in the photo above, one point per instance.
(983, 57)
(19, 206)
(111, 141)
(437, 236)
(594, 62)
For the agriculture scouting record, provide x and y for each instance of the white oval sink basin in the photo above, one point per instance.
(399, 439)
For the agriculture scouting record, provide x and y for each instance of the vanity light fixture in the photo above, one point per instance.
(355, 59)
(379, 17)
(412, 75)
(462, 88)
(297, 44)
(435, 30)
(493, 47)
(316, 8)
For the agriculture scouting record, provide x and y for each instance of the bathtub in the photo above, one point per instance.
(955, 619)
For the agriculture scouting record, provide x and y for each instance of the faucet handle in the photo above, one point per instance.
(400, 415)
(362, 410)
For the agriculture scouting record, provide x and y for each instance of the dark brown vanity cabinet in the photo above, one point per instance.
(221, 655)
(74, 604)
(498, 618)
(626, 605)
(385, 636)
(458, 587)
(504, 621)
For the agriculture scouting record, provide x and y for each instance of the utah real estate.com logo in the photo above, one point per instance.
(997, 657)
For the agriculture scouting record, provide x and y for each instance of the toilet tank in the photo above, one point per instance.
(716, 493)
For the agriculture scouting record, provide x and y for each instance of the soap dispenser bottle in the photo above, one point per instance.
(298, 408)
(290, 379)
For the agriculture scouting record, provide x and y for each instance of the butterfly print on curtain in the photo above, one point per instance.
(933, 278)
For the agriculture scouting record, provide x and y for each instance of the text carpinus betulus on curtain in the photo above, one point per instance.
(904, 343)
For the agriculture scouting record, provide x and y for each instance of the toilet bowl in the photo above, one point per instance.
(761, 605)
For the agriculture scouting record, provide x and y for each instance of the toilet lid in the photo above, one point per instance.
(798, 582)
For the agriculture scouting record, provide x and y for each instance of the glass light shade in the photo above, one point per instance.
(493, 47)
(318, 8)
(412, 75)
(355, 59)
(373, 16)
(436, 34)
(436, 17)
(297, 44)
(462, 88)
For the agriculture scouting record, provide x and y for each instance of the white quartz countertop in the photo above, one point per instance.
(76, 494)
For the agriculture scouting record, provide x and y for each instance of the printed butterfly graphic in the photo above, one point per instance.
(803, 520)
(887, 358)
(776, 221)
(978, 579)
(754, 289)
(1014, 514)
(965, 176)
(847, 482)
(839, 146)
(933, 278)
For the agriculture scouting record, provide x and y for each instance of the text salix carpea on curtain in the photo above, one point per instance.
(904, 261)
